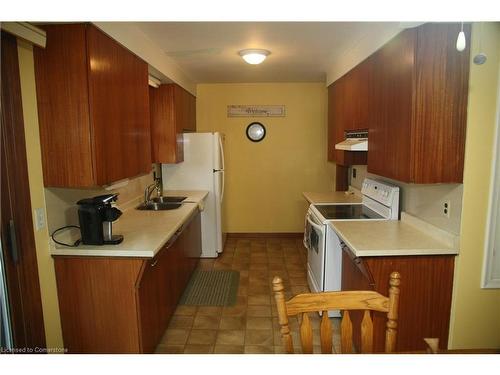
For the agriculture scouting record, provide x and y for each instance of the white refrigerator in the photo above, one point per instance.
(202, 169)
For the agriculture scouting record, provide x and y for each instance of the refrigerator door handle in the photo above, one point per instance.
(222, 189)
(221, 151)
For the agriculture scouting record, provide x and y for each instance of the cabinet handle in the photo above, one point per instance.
(365, 271)
(171, 241)
(154, 263)
(14, 253)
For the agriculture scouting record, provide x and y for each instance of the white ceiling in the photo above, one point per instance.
(300, 51)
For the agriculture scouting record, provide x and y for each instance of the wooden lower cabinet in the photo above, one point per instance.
(425, 299)
(123, 305)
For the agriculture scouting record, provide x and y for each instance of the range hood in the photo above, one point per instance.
(354, 141)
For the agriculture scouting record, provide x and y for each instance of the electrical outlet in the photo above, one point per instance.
(354, 173)
(39, 218)
(446, 208)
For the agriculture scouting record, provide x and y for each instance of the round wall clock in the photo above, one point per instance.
(256, 132)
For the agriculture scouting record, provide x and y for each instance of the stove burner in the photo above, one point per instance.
(346, 212)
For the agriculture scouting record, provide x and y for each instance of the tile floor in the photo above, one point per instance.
(251, 326)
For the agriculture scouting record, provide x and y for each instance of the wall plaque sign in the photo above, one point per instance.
(255, 111)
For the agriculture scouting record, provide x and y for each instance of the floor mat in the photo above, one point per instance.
(212, 288)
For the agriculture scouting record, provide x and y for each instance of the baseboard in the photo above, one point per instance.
(266, 235)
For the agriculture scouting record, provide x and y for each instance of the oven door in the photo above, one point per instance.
(314, 241)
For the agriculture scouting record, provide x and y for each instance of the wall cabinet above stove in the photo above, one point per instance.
(419, 106)
(411, 95)
(93, 108)
(348, 110)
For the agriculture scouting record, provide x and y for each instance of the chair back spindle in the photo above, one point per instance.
(346, 333)
(306, 335)
(326, 334)
(367, 333)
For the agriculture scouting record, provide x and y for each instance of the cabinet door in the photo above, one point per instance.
(166, 139)
(150, 303)
(390, 109)
(362, 83)
(119, 109)
(191, 108)
(331, 122)
(191, 242)
(185, 110)
(158, 294)
(336, 120)
(441, 89)
(63, 107)
(350, 99)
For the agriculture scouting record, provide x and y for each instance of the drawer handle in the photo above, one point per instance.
(154, 263)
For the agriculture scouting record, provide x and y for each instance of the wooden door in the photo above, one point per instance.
(191, 126)
(362, 83)
(119, 109)
(440, 110)
(331, 122)
(151, 304)
(185, 110)
(18, 243)
(63, 107)
(391, 90)
(350, 99)
(166, 137)
(338, 118)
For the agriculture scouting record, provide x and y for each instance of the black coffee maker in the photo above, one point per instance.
(96, 217)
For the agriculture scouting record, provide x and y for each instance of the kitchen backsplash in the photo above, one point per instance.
(61, 203)
(422, 201)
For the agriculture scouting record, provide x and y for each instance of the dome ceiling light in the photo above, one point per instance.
(254, 56)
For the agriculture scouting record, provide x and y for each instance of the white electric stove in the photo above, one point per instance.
(380, 201)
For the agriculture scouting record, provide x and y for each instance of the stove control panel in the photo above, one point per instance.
(382, 192)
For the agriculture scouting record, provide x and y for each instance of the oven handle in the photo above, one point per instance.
(317, 226)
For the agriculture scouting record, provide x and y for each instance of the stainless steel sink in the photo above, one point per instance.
(158, 206)
(168, 199)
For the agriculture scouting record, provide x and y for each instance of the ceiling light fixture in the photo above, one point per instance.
(254, 56)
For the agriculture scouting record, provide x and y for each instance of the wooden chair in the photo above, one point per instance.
(344, 301)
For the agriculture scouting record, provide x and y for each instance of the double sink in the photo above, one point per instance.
(161, 203)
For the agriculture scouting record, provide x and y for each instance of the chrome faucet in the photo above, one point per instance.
(156, 185)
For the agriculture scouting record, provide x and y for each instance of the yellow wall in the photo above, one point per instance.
(265, 180)
(46, 272)
(475, 320)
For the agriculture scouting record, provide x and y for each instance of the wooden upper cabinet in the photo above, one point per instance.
(356, 97)
(411, 95)
(419, 107)
(440, 113)
(173, 112)
(335, 125)
(188, 122)
(93, 108)
(340, 119)
(391, 108)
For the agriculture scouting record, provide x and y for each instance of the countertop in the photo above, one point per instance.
(332, 197)
(145, 232)
(410, 236)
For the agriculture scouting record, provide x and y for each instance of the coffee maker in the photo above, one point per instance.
(96, 217)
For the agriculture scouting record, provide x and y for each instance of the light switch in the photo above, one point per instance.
(39, 218)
